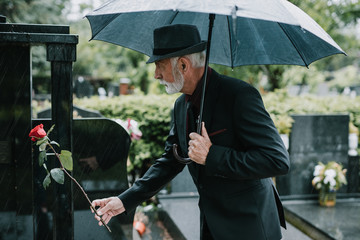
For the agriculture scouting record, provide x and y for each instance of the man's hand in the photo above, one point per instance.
(109, 207)
(199, 145)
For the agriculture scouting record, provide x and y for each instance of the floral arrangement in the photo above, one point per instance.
(283, 123)
(132, 127)
(329, 177)
(40, 136)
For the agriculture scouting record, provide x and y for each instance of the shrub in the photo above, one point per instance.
(279, 103)
(153, 113)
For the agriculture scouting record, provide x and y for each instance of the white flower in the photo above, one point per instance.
(342, 178)
(316, 180)
(331, 180)
(318, 169)
(330, 173)
(329, 177)
(131, 126)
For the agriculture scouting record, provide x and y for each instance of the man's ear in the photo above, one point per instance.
(184, 64)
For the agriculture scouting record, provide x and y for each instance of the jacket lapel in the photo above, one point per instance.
(211, 97)
(181, 124)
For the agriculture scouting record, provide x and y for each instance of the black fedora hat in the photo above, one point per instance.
(176, 40)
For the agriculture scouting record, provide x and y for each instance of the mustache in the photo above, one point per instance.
(162, 81)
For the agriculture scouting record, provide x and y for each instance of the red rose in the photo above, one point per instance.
(37, 133)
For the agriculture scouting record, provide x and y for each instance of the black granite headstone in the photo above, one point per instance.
(22, 197)
(313, 139)
(15, 148)
(100, 150)
(78, 111)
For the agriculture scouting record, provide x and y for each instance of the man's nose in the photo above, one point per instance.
(157, 74)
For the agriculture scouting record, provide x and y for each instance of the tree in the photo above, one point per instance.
(34, 11)
(106, 60)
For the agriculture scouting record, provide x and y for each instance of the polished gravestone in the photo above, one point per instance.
(320, 138)
(338, 223)
(100, 150)
(99, 146)
(19, 190)
(78, 111)
(313, 139)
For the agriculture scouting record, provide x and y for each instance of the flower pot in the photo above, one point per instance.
(327, 198)
(353, 143)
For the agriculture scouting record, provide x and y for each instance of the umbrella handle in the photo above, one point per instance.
(178, 158)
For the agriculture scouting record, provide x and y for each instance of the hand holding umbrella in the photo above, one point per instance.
(199, 146)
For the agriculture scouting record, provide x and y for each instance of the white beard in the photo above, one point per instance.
(175, 86)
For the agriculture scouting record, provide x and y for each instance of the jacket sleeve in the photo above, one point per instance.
(157, 176)
(258, 152)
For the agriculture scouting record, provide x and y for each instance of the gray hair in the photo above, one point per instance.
(196, 59)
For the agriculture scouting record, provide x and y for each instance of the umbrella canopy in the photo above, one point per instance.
(241, 32)
(245, 32)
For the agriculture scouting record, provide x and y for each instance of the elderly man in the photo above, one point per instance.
(233, 159)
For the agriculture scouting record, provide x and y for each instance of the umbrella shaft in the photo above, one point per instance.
(211, 24)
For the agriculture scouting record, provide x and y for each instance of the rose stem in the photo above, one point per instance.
(82, 190)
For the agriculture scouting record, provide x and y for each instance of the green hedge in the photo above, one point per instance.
(279, 103)
(153, 113)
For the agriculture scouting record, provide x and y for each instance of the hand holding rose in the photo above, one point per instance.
(109, 207)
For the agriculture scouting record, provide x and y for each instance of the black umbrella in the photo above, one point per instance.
(239, 32)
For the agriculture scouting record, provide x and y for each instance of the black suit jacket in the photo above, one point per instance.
(237, 197)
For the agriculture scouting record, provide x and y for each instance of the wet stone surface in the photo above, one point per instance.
(340, 222)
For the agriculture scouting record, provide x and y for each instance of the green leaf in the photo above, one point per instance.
(47, 181)
(50, 130)
(42, 158)
(66, 159)
(53, 142)
(44, 165)
(42, 147)
(42, 140)
(58, 175)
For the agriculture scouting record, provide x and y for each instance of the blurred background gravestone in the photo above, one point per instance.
(313, 139)
(183, 183)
